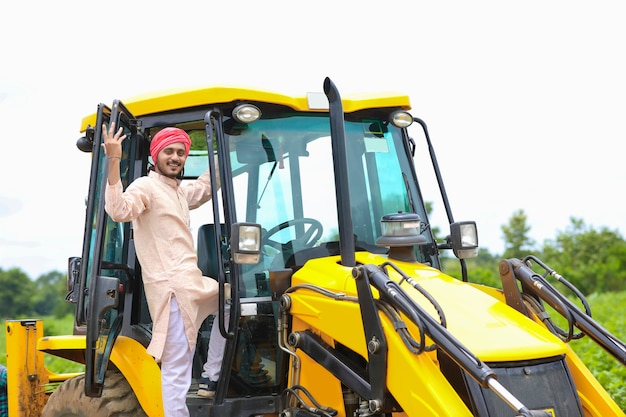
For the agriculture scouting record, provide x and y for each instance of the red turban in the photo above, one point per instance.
(166, 137)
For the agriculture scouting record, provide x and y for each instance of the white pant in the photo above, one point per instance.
(213, 365)
(176, 364)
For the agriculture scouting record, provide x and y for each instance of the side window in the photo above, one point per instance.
(112, 245)
(92, 217)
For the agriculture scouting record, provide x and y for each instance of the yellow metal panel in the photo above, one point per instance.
(324, 387)
(71, 342)
(142, 373)
(68, 347)
(27, 376)
(161, 101)
(492, 330)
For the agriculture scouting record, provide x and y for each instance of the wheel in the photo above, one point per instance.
(118, 399)
(307, 240)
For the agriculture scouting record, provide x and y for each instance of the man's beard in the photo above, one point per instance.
(164, 169)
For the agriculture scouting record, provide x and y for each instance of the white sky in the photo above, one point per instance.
(525, 101)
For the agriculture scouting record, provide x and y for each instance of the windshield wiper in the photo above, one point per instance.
(269, 177)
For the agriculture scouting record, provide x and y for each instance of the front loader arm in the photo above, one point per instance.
(392, 292)
(327, 327)
(399, 373)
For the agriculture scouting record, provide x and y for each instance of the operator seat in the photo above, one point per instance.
(207, 252)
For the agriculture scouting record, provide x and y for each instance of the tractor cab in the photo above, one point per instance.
(278, 173)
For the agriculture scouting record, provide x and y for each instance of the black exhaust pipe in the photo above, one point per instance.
(340, 165)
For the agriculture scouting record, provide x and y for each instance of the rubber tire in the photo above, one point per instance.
(118, 399)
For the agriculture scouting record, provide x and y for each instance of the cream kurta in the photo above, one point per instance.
(159, 208)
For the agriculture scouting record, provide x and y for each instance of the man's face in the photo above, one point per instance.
(171, 160)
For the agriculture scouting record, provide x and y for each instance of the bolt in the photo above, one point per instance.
(285, 302)
(374, 405)
(356, 273)
(293, 339)
(373, 345)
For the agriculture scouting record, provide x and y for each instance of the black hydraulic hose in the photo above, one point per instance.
(340, 165)
(562, 280)
(543, 289)
(316, 409)
(535, 283)
(415, 284)
(563, 303)
(415, 346)
(539, 310)
(386, 308)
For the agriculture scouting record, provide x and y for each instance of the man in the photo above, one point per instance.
(179, 297)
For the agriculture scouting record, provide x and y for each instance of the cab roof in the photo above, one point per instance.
(169, 100)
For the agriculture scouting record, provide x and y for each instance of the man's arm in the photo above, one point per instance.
(112, 145)
(217, 174)
(120, 206)
(199, 191)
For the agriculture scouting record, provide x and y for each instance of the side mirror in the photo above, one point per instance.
(245, 243)
(463, 239)
(73, 272)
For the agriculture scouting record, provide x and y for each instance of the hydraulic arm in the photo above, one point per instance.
(536, 287)
(392, 293)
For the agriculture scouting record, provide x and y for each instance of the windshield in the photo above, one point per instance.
(283, 178)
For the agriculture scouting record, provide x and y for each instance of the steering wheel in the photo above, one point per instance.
(311, 235)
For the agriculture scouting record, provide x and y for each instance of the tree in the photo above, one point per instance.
(517, 243)
(592, 260)
(49, 297)
(16, 290)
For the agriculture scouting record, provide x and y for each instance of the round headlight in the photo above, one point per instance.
(246, 113)
(401, 119)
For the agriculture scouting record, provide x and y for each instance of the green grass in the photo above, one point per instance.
(609, 310)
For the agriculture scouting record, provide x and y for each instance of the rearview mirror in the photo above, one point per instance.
(73, 271)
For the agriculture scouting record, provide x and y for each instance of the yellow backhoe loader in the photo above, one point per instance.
(339, 304)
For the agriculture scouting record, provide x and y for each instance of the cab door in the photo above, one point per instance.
(105, 274)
